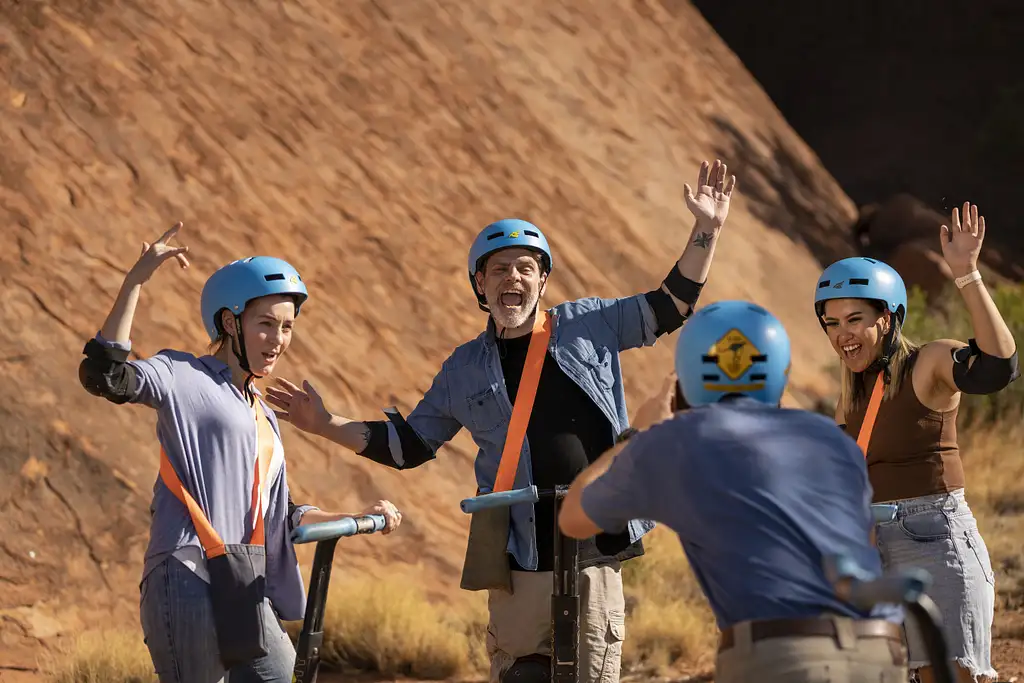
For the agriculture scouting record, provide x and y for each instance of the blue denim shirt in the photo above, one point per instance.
(469, 391)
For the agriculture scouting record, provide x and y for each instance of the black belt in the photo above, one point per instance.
(811, 627)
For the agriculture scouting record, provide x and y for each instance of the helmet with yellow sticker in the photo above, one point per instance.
(732, 347)
(239, 282)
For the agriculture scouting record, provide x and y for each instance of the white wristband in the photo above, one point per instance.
(973, 276)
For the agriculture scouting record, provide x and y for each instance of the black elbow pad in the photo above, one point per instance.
(665, 312)
(415, 451)
(987, 374)
(105, 372)
(377, 447)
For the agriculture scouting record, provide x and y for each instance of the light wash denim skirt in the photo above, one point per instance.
(938, 533)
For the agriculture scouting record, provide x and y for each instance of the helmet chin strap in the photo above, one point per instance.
(888, 348)
(238, 348)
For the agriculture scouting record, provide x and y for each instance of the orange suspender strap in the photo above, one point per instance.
(265, 446)
(864, 435)
(212, 543)
(525, 396)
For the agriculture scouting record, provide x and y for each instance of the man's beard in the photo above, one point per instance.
(513, 317)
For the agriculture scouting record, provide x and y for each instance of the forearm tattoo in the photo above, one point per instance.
(703, 239)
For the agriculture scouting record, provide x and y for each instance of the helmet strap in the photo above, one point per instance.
(888, 349)
(238, 348)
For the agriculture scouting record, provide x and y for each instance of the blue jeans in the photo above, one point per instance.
(177, 621)
(939, 533)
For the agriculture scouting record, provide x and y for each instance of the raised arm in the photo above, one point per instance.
(988, 362)
(674, 301)
(105, 370)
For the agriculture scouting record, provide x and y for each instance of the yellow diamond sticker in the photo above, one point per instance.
(514, 235)
(734, 353)
(292, 279)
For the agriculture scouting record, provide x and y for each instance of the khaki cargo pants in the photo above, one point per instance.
(825, 659)
(520, 624)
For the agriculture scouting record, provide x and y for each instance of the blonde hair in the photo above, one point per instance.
(853, 388)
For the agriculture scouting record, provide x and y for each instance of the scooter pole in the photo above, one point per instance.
(565, 599)
(325, 535)
(565, 603)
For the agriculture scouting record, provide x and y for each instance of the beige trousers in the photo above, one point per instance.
(805, 659)
(520, 624)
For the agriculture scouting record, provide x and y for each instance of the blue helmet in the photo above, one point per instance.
(508, 232)
(239, 282)
(732, 347)
(860, 277)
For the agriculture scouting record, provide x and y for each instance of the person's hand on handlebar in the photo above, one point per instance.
(392, 515)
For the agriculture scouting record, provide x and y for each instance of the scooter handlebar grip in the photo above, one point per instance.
(883, 512)
(905, 587)
(349, 526)
(528, 494)
(866, 591)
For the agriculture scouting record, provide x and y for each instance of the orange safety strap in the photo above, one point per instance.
(864, 435)
(523, 407)
(212, 543)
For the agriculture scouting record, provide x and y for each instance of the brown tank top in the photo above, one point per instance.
(913, 450)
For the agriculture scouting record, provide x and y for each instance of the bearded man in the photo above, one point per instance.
(578, 412)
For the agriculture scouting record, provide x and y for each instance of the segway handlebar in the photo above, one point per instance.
(527, 494)
(349, 526)
(904, 587)
(907, 587)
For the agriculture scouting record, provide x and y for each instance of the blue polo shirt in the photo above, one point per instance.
(758, 495)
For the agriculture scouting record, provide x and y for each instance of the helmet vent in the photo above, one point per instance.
(710, 378)
(273, 276)
(824, 283)
(495, 235)
(531, 233)
(761, 358)
(859, 281)
(760, 377)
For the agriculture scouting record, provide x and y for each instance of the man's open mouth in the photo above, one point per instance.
(511, 299)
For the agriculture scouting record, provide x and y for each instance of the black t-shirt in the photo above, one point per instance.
(567, 432)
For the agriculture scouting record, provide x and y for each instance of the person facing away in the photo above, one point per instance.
(578, 412)
(220, 450)
(912, 449)
(758, 496)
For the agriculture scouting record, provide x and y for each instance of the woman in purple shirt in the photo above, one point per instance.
(220, 570)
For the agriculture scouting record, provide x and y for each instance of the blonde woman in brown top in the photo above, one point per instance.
(900, 401)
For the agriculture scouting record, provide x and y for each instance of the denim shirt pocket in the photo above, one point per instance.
(599, 362)
(484, 411)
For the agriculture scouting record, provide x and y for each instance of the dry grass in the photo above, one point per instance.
(669, 623)
(388, 626)
(101, 657)
(994, 464)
